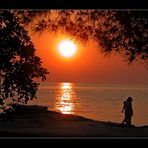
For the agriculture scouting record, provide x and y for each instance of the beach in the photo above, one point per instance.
(37, 121)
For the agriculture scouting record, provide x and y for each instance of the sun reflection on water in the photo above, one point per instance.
(66, 99)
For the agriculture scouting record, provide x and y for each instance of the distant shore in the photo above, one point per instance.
(37, 121)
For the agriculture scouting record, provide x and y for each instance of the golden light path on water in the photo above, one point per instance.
(66, 99)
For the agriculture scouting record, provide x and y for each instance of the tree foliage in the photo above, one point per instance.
(116, 32)
(19, 66)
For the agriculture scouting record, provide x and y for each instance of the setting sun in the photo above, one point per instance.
(67, 48)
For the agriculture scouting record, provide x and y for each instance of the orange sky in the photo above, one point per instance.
(87, 65)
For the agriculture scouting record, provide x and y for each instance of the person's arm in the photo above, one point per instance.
(123, 109)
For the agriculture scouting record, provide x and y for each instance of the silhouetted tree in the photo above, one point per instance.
(116, 32)
(19, 66)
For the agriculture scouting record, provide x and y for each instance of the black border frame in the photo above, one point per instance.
(73, 4)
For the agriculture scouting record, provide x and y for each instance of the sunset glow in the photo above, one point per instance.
(67, 48)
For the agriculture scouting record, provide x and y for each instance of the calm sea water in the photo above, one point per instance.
(96, 101)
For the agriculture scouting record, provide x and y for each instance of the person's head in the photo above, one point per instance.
(129, 99)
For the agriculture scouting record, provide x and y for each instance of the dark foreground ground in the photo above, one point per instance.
(36, 121)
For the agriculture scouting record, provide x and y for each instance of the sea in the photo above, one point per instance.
(96, 101)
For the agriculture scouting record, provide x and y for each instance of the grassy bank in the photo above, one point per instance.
(36, 121)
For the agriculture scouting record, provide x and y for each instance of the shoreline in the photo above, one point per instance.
(37, 121)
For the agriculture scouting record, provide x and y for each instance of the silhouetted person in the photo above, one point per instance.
(123, 110)
(128, 111)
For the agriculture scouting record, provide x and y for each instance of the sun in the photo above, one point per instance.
(67, 48)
